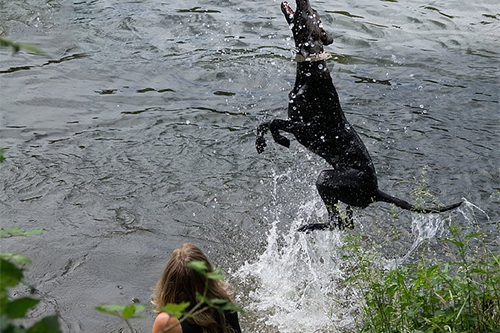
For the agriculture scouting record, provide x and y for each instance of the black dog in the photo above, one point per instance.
(317, 121)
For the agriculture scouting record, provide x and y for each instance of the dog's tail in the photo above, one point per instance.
(406, 205)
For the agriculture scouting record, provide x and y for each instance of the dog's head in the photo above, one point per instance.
(308, 32)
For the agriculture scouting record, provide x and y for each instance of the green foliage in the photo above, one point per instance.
(456, 293)
(125, 312)
(16, 258)
(2, 158)
(18, 46)
(16, 232)
(122, 311)
(176, 310)
(10, 310)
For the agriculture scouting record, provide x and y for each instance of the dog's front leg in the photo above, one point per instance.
(260, 141)
(275, 126)
(279, 124)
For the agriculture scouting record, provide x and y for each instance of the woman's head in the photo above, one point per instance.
(180, 283)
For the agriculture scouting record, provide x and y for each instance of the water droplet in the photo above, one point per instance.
(320, 66)
(188, 122)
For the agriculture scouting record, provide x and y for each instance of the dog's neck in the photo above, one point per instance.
(312, 57)
(312, 70)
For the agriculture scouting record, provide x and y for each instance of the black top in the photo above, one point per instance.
(231, 320)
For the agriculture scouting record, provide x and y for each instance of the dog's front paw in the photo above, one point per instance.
(282, 140)
(260, 144)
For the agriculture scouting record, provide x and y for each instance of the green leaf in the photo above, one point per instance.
(46, 325)
(176, 310)
(199, 266)
(34, 232)
(17, 47)
(19, 307)
(215, 275)
(221, 304)
(457, 243)
(123, 311)
(139, 308)
(474, 235)
(16, 258)
(130, 310)
(111, 309)
(32, 49)
(15, 231)
(11, 274)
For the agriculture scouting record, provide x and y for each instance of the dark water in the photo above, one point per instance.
(136, 134)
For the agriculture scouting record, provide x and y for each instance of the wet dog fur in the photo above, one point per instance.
(316, 119)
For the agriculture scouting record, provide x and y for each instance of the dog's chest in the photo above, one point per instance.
(300, 107)
(310, 102)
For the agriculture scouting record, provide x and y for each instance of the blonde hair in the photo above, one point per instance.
(179, 283)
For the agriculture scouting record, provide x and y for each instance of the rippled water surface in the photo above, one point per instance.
(136, 134)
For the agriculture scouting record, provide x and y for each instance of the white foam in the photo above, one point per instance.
(301, 282)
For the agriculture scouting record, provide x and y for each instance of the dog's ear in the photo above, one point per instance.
(287, 11)
(326, 38)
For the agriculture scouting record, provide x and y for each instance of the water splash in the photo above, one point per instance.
(425, 227)
(299, 278)
(298, 282)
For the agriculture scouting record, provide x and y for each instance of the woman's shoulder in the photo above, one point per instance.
(164, 320)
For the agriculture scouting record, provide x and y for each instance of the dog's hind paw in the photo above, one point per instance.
(314, 226)
(260, 144)
(282, 140)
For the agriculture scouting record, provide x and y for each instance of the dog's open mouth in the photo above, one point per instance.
(286, 8)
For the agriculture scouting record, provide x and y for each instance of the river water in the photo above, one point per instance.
(136, 134)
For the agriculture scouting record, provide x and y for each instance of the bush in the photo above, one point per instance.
(459, 292)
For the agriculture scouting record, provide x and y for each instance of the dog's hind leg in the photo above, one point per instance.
(331, 201)
(348, 222)
(351, 186)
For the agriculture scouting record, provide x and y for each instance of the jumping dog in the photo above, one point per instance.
(317, 121)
